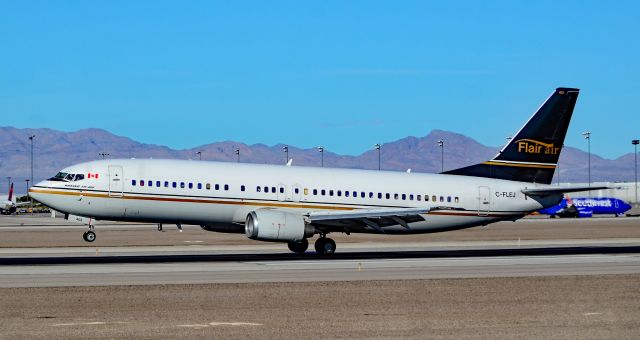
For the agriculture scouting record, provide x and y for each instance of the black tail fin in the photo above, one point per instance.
(532, 154)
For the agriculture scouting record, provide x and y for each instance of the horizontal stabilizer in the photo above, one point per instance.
(560, 190)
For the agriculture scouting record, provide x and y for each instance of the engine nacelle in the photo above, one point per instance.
(276, 225)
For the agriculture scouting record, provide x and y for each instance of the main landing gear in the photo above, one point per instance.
(90, 234)
(299, 247)
(325, 246)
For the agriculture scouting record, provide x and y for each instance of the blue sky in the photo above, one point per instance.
(344, 74)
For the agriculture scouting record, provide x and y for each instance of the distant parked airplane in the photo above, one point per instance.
(587, 207)
(8, 205)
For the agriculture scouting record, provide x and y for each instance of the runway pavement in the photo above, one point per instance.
(536, 278)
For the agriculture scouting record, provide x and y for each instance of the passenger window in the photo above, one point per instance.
(346, 194)
(226, 187)
(315, 192)
(266, 189)
(419, 197)
(150, 183)
(133, 182)
(281, 190)
(273, 190)
(190, 185)
(395, 196)
(457, 199)
(208, 186)
(339, 192)
(306, 191)
(434, 198)
(404, 197)
(258, 188)
(141, 183)
(411, 197)
(362, 194)
(217, 186)
(441, 199)
(199, 186)
(296, 190)
(330, 192)
(175, 185)
(182, 185)
(166, 184)
(379, 195)
(158, 184)
(242, 188)
(388, 195)
(448, 198)
(322, 192)
(355, 194)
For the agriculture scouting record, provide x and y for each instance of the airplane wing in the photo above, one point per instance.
(373, 218)
(560, 190)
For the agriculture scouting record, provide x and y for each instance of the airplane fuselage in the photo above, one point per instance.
(223, 194)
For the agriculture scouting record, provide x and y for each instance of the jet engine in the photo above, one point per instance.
(277, 225)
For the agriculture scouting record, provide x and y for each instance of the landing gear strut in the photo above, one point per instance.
(299, 247)
(89, 235)
(325, 246)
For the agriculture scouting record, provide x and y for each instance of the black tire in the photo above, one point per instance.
(90, 236)
(319, 245)
(299, 247)
(84, 236)
(325, 246)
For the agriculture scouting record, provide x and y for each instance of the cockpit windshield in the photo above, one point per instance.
(66, 177)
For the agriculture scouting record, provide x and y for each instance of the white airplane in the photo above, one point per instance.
(8, 205)
(291, 204)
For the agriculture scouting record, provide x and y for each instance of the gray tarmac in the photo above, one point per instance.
(536, 278)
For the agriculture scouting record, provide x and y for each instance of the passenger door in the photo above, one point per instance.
(116, 181)
(484, 201)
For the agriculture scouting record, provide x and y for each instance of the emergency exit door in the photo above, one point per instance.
(484, 201)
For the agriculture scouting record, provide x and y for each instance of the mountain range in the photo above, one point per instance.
(54, 150)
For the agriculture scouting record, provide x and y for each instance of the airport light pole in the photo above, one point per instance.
(377, 146)
(286, 153)
(587, 136)
(31, 139)
(30, 200)
(103, 154)
(635, 153)
(441, 145)
(199, 153)
(238, 155)
(321, 150)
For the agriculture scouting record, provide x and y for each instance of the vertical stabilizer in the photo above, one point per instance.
(10, 198)
(532, 154)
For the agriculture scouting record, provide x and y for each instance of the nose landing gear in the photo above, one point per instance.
(90, 234)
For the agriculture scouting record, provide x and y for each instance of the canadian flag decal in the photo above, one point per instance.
(90, 175)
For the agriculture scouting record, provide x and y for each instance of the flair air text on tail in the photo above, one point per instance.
(292, 204)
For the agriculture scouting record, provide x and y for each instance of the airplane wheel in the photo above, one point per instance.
(299, 247)
(325, 246)
(89, 236)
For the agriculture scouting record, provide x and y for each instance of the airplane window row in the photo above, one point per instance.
(315, 192)
(379, 195)
(182, 185)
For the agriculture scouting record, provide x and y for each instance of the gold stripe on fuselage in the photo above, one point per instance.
(520, 165)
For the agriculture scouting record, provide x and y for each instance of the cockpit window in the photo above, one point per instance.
(59, 177)
(66, 177)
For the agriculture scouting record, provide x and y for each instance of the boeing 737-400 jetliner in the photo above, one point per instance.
(291, 204)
